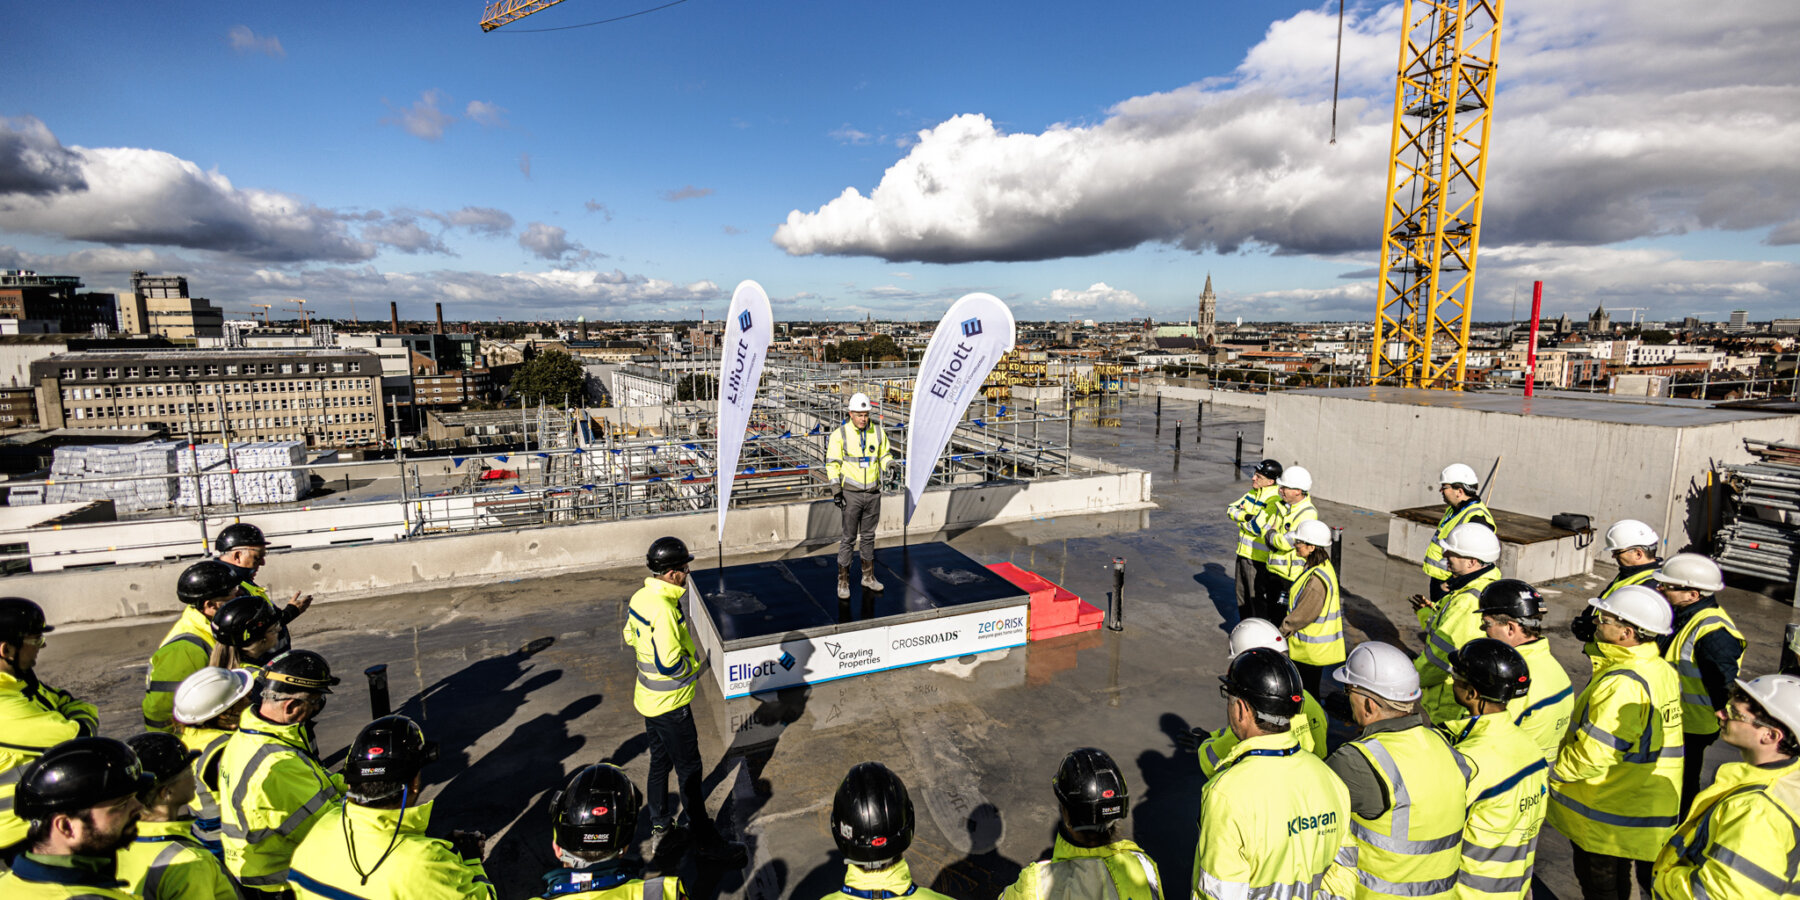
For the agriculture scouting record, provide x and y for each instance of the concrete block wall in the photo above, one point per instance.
(339, 573)
(1211, 395)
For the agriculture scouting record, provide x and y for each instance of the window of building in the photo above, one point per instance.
(212, 370)
(68, 374)
(112, 371)
(268, 368)
(287, 368)
(193, 371)
(231, 369)
(153, 371)
(337, 367)
(89, 372)
(131, 371)
(356, 367)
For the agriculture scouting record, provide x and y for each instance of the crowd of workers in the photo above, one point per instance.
(1463, 753)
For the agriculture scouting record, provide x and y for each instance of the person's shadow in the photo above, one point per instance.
(1166, 812)
(985, 871)
(1221, 589)
(467, 705)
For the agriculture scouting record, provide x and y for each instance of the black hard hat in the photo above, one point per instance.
(20, 618)
(241, 534)
(1269, 468)
(1091, 789)
(79, 774)
(163, 755)
(1266, 679)
(244, 620)
(205, 580)
(668, 554)
(391, 748)
(1493, 668)
(872, 816)
(301, 670)
(1512, 597)
(597, 811)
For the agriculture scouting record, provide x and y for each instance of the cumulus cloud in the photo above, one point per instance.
(116, 195)
(1099, 298)
(550, 242)
(844, 134)
(481, 112)
(243, 40)
(484, 221)
(686, 193)
(423, 119)
(595, 206)
(1616, 120)
(404, 234)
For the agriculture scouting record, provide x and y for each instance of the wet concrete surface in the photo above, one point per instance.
(976, 739)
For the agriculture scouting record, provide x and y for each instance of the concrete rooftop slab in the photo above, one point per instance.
(1560, 405)
(976, 739)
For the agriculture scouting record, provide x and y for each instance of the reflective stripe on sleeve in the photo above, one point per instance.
(154, 876)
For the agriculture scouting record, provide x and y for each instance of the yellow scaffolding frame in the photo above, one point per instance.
(1431, 224)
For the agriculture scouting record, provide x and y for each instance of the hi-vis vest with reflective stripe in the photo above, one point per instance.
(1308, 726)
(1543, 712)
(1474, 510)
(1322, 640)
(1643, 577)
(1696, 704)
(1272, 823)
(1413, 849)
(184, 651)
(1741, 840)
(567, 882)
(33, 718)
(273, 790)
(1615, 788)
(166, 862)
(856, 457)
(668, 661)
(1506, 800)
(1247, 512)
(1116, 871)
(1284, 560)
(205, 807)
(1454, 621)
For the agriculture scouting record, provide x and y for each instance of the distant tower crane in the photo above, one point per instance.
(1437, 170)
(265, 307)
(300, 306)
(501, 12)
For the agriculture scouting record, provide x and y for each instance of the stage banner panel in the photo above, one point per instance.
(969, 341)
(748, 329)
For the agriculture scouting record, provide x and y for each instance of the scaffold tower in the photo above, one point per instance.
(1437, 169)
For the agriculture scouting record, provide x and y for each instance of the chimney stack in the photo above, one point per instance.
(394, 316)
(440, 315)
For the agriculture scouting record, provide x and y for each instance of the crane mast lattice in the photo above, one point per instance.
(1437, 170)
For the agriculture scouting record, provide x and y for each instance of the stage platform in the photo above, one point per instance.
(767, 626)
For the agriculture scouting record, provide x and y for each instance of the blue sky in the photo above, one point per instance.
(1070, 159)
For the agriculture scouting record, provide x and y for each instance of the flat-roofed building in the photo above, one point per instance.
(56, 300)
(160, 304)
(328, 398)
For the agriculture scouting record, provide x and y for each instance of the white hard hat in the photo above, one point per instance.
(1457, 473)
(1252, 633)
(1692, 571)
(1639, 605)
(1295, 477)
(859, 402)
(1382, 670)
(1627, 533)
(1779, 696)
(209, 692)
(1474, 540)
(1312, 531)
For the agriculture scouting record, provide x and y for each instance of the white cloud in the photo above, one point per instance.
(844, 134)
(481, 112)
(525, 164)
(548, 242)
(1616, 120)
(404, 234)
(243, 40)
(688, 192)
(1099, 298)
(595, 206)
(484, 221)
(423, 119)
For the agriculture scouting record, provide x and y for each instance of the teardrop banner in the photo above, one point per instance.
(968, 343)
(748, 329)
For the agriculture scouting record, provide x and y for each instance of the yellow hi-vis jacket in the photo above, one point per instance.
(1616, 786)
(891, 882)
(1450, 623)
(273, 790)
(1414, 849)
(614, 879)
(1120, 870)
(325, 865)
(1697, 713)
(35, 877)
(1741, 840)
(184, 651)
(1506, 799)
(1278, 520)
(1544, 710)
(858, 457)
(1273, 821)
(1308, 726)
(1321, 642)
(33, 718)
(167, 862)
(668, 660)
(211, 744)
(1246, 511)
(1472, 511)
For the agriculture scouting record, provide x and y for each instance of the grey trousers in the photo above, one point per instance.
(862, 509)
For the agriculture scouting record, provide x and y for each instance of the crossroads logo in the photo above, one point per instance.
(744, 320)
(970, 327)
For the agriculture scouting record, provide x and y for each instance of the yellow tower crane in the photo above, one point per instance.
(501, 12)
(1437, 168)
(265, 307)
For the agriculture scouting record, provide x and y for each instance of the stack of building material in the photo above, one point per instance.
(74, 470)
(215, 476)
(1761, 537)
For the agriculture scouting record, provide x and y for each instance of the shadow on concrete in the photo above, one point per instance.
(975, 505)
(985, 871)
(1362, 614)
(462, 708)
(1221, 589)
(824, 880)
(1165, 812)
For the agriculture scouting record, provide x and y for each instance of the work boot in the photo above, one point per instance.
(843, 582)
(869, 580)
